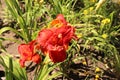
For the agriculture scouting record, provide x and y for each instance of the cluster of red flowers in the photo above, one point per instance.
(53, 42)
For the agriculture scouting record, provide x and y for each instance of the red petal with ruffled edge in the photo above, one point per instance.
(43, 38)
(57, 53)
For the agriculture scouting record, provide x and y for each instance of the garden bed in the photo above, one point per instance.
(76, 71)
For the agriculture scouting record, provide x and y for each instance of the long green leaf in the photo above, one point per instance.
(2, 30)
(13, 69)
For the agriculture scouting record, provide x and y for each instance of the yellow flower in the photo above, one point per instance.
(97, 69)
(97, 76)
(88, 11)
(105, 21)
(104, 36)
(91, 8)
(85, 12)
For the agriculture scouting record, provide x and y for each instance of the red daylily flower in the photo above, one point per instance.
(55, 41)
(27, 53)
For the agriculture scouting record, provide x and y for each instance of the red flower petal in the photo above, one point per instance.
(67, 33)
(61, 18)
(43, 36)
(57, 53)
(36, 58)
(25, 51)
